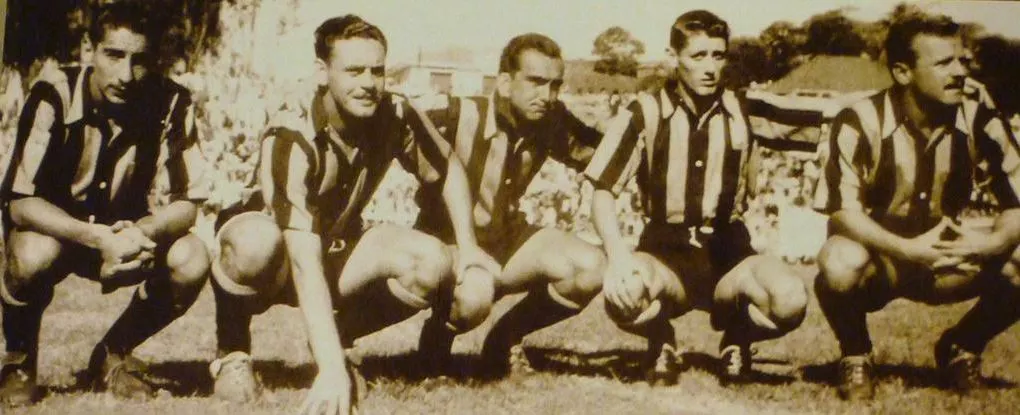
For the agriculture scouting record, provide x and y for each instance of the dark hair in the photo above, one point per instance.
(348, 26)
(128, 15)
(510, 59)
(899, 42)
(697, 22)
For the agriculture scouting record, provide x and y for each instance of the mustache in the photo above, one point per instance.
(956, 84)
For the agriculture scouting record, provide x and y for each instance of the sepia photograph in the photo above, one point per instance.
(509, 207)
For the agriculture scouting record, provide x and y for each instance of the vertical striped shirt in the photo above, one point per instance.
(881, 164)
(691, 170)
(317, 179)
(98, 167)
(501, 156)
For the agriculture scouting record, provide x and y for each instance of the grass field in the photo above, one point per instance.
(584, 366)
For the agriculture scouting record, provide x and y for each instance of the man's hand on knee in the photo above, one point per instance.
(630, 289)
(124, 248)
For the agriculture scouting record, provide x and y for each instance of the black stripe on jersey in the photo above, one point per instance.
(40, 93)
(659, 167)
(730, 178)
(614, 168)
(480, 150)
(792, 117)
(959, 182)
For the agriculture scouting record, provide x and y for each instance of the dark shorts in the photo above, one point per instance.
(502, 243)
(699, 268)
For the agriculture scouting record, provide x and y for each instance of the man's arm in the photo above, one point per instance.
(432, 157)
(457, 196)
(39, 215)
(994, 136)
(304, 249)
(170, 222)
(840, 194)
(785, 123)
(582, 140)
(614, 163)
(284, 174)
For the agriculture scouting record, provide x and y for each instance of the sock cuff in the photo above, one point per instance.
(406, 296)
(558, 298)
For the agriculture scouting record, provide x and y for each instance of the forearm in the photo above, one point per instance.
(457, 197)
(1007, 229)
(304, 249)
(603, 212)
(169, 223)
(38, 215)
(859, 227)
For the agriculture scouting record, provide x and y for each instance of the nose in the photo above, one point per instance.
(958, 68)
(124, 71)
(546, 92)
(366, 79)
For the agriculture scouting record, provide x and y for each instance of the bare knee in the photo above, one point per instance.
(1011, 270)
(472, 301)
(788, 303)
(583, 268)
(251, 251)
(423, 268)
(29, 256)
(842, 264)
(188, 260)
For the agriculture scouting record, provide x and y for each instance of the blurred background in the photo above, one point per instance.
(248, 64)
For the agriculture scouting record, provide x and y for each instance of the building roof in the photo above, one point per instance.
(834, 73)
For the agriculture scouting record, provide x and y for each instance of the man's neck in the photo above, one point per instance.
(926, 114)
(348, 128)
(698, 103)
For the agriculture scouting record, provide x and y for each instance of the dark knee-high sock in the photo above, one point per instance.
(847, 319)
(994, 313)
(153, 307)
(370, 310)
(436, 335)
(536, 311)
(21, 324)
(233, 323)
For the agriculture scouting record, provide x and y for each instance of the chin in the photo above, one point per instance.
(706, 90)
(362, 111)
(115, 100)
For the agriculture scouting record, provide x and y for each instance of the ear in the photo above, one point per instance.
(503, 84)
(902, 73)
(321, 72)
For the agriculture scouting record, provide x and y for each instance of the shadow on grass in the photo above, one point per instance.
(625, 365)
(912, 376)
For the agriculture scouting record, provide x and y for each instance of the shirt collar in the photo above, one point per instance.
(326, 119)
(81, 98)
(895, 116)
(500, 117)
(673, 100)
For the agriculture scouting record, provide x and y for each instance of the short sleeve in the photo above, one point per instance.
(842, 181)
(285, 171)
(617, 157)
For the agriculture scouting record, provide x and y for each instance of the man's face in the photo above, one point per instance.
(121, 61)
(355, 75)
(700, 63)
(535, 86)
(939, 72)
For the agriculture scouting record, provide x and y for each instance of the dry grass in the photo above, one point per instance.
(585, 367)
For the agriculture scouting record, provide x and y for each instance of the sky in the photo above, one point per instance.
(484, 26)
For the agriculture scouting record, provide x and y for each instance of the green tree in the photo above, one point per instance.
(832, 33)
(747, 63)
(782, 43)
(618, 52)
